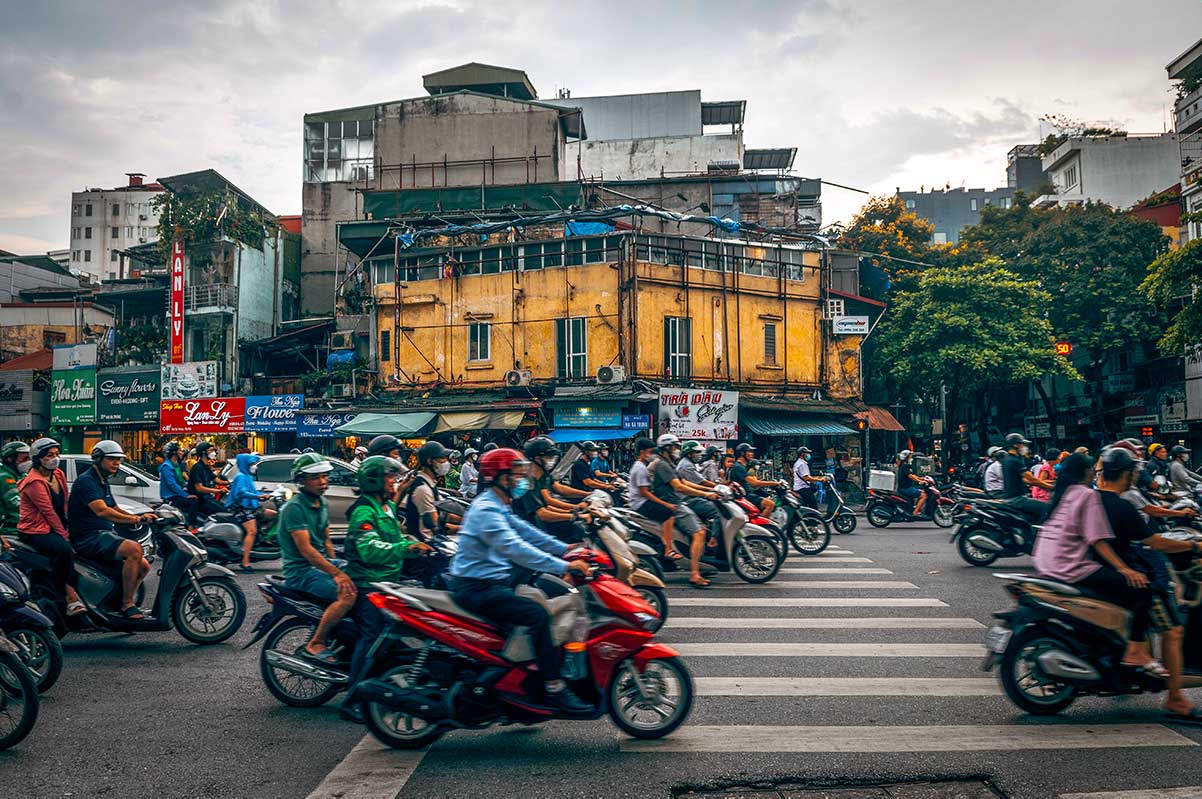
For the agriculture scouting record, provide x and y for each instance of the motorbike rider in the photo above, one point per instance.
(994, 482)
(14, 464)
(203, 482)
(42, 523)
(360, 456)
(1016, 479)
(245, 496)
(667, 487)
(581, 475)
(468, 473)
(909, 485)
(602, 470)
(451, 480)
(307, 553)
(540, 506)
(1158, 462)
(711, 465)
(689, 471)
(91, 513)
(803, 481)
(491, 542)
(419, 502)
(742, 474)
(377, 550)
(173, 481)
(1180, 475)
(1045, 472)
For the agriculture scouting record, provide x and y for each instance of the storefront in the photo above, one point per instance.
(24, 404)
(73, 396)
(127, 410)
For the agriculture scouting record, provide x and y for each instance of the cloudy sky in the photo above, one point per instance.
(873, 94)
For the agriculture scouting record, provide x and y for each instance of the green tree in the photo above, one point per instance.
(884, 226)
(1172, 283)
(967, 328)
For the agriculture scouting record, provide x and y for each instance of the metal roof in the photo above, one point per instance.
(775, 158)
(210, 180)
(484, 78)
(724, 112)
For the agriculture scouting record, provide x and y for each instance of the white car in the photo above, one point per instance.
(129, 483)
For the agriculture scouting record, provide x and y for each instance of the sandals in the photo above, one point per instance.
(701, 583)
(134, 613)
(325, 657)
(672, 554)
(76, 608)
(1193, 716)
(1153, 667)
(247, 569)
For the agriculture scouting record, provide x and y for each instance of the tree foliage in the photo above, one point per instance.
(884, 226)
(1172, 284)
(204, 217)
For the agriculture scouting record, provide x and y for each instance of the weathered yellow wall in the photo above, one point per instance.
(23, 339)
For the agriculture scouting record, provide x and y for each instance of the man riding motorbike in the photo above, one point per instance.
(43, 520)
(491, 542)
(742, 474)
(307, 553)
(711, 465)
(909, 485)
(803, 481)
(581, 476)
(376, 551)
(602, 470)
(700, 499)
(173, 481)
(392, 447)
(451, 480)
(540, 506)
(91, 512)
(1158, 462)
(1016, 479)
(360, 456)
(421, 499)
(245, 496)
(992, 480)
(1179, 474)
(203, 482)
(469, 475)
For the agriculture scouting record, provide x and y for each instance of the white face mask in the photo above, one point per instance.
(50, 464)
(23, 468)
(442, 469)
(254, 468)
(549, 463)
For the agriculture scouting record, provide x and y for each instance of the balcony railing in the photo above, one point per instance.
(211, 298)
(1187, 111)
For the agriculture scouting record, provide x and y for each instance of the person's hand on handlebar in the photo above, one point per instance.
(1135, 579)
(581, 567)
(147, 518)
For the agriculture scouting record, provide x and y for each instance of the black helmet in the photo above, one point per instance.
(1014, 439)
(1117, 461)
(171, 449)
(1179, 450)
(430, 451)
(489, 447)
(744, 448)
(588, 446)
(643, 444)
(382, 445)
(711, 450)
(202, 448)
(539, 447)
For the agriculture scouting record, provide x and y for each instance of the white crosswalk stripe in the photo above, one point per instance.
(836, 570)
(874, 623)
(832, 650)
(1186, 792)
(846, 686)
(804, 602)
(371, 771)
(791, 584)
(825, 560)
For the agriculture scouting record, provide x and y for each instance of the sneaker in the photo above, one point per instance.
(569, 703)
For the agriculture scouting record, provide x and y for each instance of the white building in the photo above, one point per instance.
(1117, 170)
(104, 221)
(1187, 113)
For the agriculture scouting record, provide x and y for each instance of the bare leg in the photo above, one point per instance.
(134, 569)
(667, 533)
(696, 550)
(248, 541)
(1174, 661)
(329, 619)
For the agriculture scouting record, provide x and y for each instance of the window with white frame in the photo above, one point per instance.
(571, 335)
(479, 342)
(972, 203)
(1069, 176)
(834, 308)
(910, 205)
(678, 347)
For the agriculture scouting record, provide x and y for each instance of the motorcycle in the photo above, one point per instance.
(771, 525)
(838, 515)
(19, 701)
(467, 674)
(222, 533)
(610, 536)
(1061, 641)
(200, 600)
(27, 628)
(993, 529)
(886, 507)
(735, 546)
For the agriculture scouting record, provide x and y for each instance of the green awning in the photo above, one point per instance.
(786, 424)
(402, 425)
(522, 197)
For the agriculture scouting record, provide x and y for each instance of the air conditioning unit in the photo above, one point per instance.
(341, 391)
(342, 340)
(518, 377)
(608, 375)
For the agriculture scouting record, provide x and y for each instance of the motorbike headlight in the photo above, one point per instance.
(649, 621)
(8, 593)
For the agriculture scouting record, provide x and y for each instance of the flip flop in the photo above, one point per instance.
(673, 555)
(325, 657)
(134, 613)
(701, 585)
(76, 608)
(1194, 716)
(1153, 667)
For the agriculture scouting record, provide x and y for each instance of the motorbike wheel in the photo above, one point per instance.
(213, 626)
(973, 555)
(19, 701)
(650, 564)
(394, 728)
(845, 522)
(809, 535)
(944, 516)
(41, 652)
(755, 559)
(656, 598)
(671, 687)
(1032, 692)
(293, 690)
(878, 515)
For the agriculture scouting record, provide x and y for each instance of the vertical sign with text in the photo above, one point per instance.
(177, 301)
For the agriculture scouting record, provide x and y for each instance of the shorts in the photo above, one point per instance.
(910, 493)
(1163, 612)
(315, 582)
(654, 511)
(687, 521)
(101, 545)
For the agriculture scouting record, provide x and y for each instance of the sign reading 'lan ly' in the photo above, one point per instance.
(177, 301)
(224, 415)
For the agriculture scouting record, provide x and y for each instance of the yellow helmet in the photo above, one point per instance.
(1153, 447)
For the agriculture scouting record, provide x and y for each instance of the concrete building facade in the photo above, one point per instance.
(1186, 69)
(1117, 170)
(952, 210)
(105, 221)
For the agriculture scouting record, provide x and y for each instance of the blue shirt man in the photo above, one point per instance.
(493, 539)
(170, 485)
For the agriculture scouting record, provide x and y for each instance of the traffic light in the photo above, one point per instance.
(861, 425)
(1145, 432)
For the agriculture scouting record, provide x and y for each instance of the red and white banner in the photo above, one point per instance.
(177, 301)
(220, 415)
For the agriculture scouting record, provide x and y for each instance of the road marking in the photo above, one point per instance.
(845, 686)
(908, 739)
(875, 623)
(836, 584)
(836, 570)
(832, 650)
(1187, 792)
(372, 770)
(841, 560)
(828, 553)
(804, 602)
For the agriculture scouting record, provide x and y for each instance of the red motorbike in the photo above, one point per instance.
(885, 507)
(455, 670)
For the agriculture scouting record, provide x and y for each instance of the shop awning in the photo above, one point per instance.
(398, 424)
(783, 424)
(881, 419)
(568, 435)
(457, 421)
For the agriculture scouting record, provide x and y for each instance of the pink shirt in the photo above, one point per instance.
(1044, 472)
(1062, 548)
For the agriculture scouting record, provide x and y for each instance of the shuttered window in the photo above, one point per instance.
(770, 344)
(678, 347)
(572, 339)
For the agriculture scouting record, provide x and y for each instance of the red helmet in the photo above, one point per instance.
(497, 461)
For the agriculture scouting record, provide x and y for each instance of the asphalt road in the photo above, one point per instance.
(870, 683)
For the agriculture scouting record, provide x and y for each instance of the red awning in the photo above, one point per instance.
(880, 419)
(39, 361)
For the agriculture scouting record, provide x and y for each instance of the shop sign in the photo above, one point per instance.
(851, 326)
(273, 414)
(1193, 382)
(194, 380)
(712, 415)
(1172, 405)
(321, 425)
(1140, 421)
(74, 356)
(600, 414)
(16, 390)
(73, 396)
(636, 421)
(127, 395)
(223, 415)
(177, 301)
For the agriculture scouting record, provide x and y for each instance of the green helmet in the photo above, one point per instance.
(310, 464)
(689, 447)
(12, 449)
(373, 470)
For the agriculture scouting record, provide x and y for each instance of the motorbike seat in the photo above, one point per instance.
(233, 518)
(1065, 589)
(278, 583)
(443, 601)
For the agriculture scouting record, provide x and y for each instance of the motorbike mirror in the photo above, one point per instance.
(130, 480)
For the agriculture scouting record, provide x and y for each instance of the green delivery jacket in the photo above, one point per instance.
(10, 501)
(375, 548)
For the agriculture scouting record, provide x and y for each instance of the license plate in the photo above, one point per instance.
(997, 638)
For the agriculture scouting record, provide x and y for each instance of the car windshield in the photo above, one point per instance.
(140, 472)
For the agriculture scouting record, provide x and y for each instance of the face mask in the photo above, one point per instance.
(549, 463)
(254, 468)
(521, 487)
(807, 456)
(442, 469)
(50, 464)
(1023, 449)
(23, 468)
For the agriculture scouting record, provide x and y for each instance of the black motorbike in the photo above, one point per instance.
(993, 529)
(1060, 641)
(19, 701)
(223, 533)
(200, 600)
(802, 527)
(27, 628)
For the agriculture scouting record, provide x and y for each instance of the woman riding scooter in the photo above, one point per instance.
(43, 521)
(244, 498)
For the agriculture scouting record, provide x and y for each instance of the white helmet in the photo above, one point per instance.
(667, 440)
(107, 449)
(904, 454)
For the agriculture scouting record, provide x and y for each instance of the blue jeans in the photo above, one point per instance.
(316, 582)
